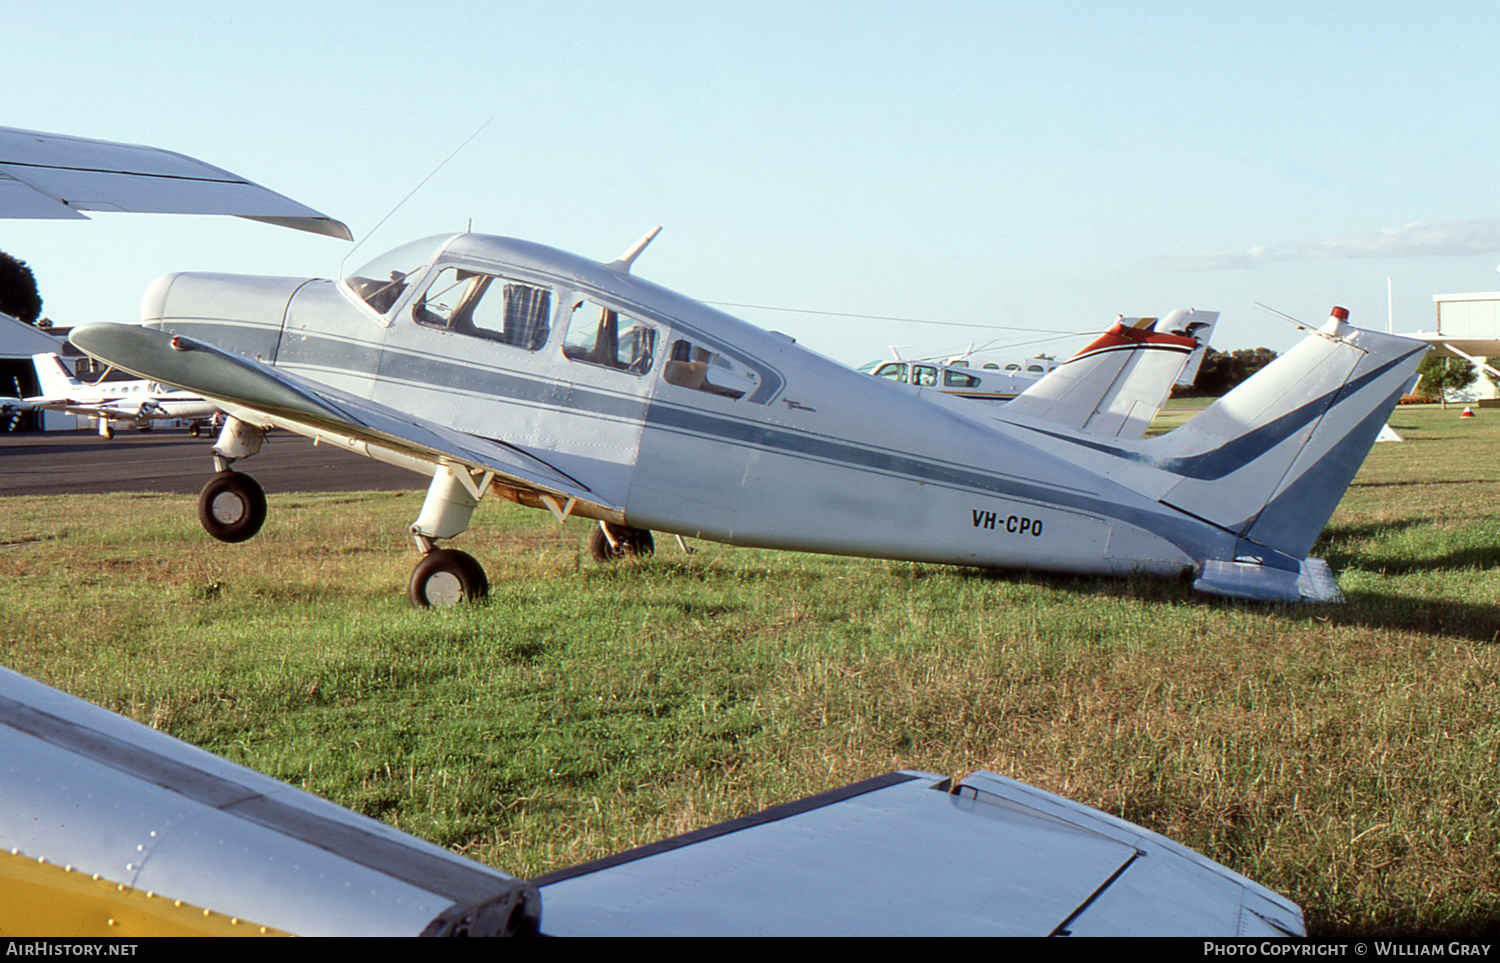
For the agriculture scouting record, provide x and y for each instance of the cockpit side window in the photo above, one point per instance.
(696, 367)
(609, 338)
(893, 370)
(922, 374)
(485, 306)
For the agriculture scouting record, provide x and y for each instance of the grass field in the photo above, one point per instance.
(1345, 755)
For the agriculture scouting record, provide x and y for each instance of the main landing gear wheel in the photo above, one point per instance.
(232, 507)
(627, 541)
(446, 576)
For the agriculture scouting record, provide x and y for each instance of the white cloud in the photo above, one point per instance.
(1453, 239)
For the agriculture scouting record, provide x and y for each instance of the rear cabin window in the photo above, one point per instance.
(485, 306)
(955, 379)
(606, 337)
(693, 366)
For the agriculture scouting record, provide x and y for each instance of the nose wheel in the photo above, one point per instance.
(232, 507)
(446, 576)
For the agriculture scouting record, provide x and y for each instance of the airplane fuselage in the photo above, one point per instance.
(697, 423)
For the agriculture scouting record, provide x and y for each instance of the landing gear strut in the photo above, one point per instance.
(232, 506)
(610, 543)
(446, 576)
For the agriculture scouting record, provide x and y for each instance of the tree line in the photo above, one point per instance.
(1221, 371)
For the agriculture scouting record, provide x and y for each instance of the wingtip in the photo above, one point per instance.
(313, 225)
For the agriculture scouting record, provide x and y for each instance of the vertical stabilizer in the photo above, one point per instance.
(53, 377)
(1270, 460)
(1116, 385)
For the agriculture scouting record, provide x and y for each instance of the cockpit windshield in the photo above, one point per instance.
(380, 282)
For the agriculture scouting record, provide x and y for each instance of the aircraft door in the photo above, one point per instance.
(694, 452)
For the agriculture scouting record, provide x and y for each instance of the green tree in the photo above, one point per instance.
(1222, 371)
(1443, 376)
(18, 294)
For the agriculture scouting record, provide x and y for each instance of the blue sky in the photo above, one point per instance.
(1031, 170)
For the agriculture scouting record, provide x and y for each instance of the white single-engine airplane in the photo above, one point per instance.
(502, 366)
(137, 403)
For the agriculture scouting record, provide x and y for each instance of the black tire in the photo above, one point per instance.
(447, 576)
(628, 542)
(108, 432)
(194, 430)
(232, 507)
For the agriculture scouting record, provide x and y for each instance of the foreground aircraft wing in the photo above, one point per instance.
(109, 828)
(56, 176)
(262, 395)
(909, 854)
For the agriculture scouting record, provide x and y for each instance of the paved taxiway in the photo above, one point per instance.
(169, 460)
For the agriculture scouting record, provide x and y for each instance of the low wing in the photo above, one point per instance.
(56, 176)
(171, 839)
(259, 394)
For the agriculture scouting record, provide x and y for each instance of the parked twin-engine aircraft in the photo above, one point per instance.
(137, 403)
(111, 829)
(502, 366)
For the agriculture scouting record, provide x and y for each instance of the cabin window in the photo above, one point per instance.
(1012, 367)
(893, 370)
(955, 379)
(922, 374)
(485, 306)
(606, 337)
(696, 367)
(1036, 369)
